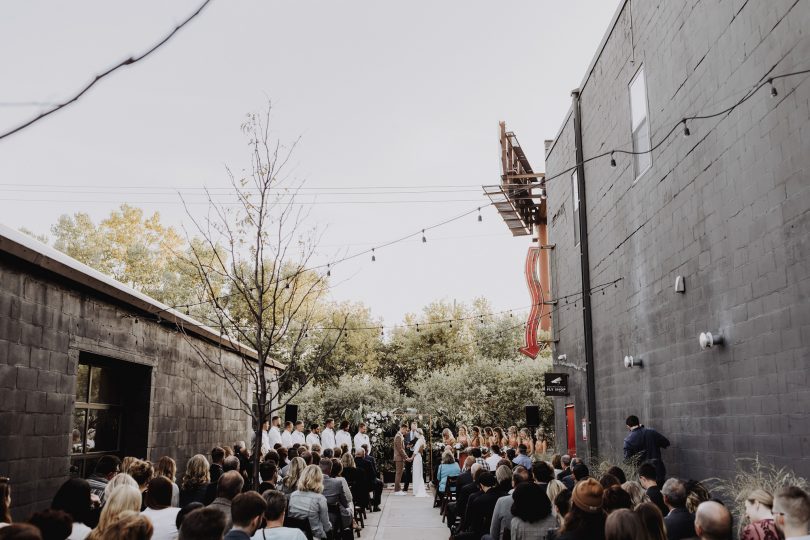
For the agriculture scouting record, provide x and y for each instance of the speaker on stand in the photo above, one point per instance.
(291, 413)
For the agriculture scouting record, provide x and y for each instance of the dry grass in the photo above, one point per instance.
(751, 474)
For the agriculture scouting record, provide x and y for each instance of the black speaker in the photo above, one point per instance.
(532, 416)
(291, 413)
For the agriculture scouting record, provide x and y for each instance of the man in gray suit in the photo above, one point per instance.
(339, 504)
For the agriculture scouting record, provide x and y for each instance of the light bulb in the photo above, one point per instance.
(373, 257)
(424, 239)
(774, 93)
(686, 131)
(328, 271)
(480, 218)
(612, 160)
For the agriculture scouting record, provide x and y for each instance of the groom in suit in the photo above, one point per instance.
(400, 458)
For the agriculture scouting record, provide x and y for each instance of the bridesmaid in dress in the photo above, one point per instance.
(511, 435)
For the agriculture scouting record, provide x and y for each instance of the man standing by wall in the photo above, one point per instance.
(645, 444)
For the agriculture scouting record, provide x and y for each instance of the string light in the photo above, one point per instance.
(328, 270)
(373, 257)
(686, 131)
(424, 238)
(480, 218)
(774, 93)
(612, 160)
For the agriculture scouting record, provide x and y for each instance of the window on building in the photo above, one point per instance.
(575, 205)
(108, 394)
(640, 123)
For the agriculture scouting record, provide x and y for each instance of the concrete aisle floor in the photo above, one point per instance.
(405, 518)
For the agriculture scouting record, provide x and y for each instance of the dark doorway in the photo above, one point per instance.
(111, 415)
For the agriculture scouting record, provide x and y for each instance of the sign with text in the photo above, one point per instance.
(556, 384)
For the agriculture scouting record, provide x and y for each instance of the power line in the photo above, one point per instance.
(123, 63)
(681, 124)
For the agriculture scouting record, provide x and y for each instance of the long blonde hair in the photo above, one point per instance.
(130, 526)
(311, 479)
(554, 488)
(297, 465)
(120, 479)
(197, 472)
(122, 499)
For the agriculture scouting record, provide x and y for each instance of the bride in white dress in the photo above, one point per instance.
(419, 489)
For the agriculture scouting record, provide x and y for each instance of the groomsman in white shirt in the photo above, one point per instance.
(298, 434)
(286, 435)
(274, 434)
(361, 438)
(265, 437)
(343, 436)
(313, 438)
(328, 435)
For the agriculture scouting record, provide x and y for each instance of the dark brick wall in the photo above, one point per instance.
(727, 208)
(44, 324)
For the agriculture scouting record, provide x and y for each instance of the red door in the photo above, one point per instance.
(571, 429)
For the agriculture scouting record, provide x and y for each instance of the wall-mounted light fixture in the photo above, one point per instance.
(680, 286)
(708, 340)
(630, 362)
(562, 357)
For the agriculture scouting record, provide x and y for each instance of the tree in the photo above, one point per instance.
(263, 291)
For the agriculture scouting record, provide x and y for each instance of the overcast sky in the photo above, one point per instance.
(399, 96)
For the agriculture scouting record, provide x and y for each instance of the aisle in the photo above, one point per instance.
(405, 518)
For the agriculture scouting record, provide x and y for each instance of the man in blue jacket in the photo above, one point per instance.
(645, 444)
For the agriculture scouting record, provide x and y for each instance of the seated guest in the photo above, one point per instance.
(274, 528)
(203, 524)
(131, 526)
(290, 483)
(167, 468)
(106, 468)
(476, 454)
(791, 510)
(272, 455)
(269, 475)
(282, 458)
(355, 479)
(636, 492)
(522, 459)
(229, 486)
(585, 520)
(142, 471)
(307, 502)
(247, 512)
(579, 472)
(52, 524)
(560, 508)
(186, 510)
(494, 457)
(758, 510)
(502, 514)
(565, 462)
(339, 505)
(608, 480)
(556, 462)
(448, 468)
(122, 499)
(713, 521)
(503, 478)
(457, 509)
(159, 508)
(696, 493)
(554, 488)
(615, 498)
(377, 485)
(543, 473)
(194, 485)
(478, 516)
(646, 477)
(618, 472)
(368, 477)
(680, 523)
(653, 520)
(73, 498)
(624, 524)
(531, 511)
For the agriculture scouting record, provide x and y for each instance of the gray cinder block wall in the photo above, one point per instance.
(727, 208)
(45, 323)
